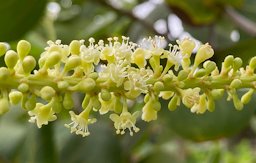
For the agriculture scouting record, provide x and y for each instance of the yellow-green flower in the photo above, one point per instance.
(80, 123)
(125, 121)
(41, 115)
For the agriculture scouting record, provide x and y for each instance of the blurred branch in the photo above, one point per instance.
(241, 21)
(130, 15)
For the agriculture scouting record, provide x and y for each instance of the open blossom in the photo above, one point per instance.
(138, 79)
(191, 97)
(115, 72)
(154, 45)
(125, 121)
(80, 123)
(41, 115)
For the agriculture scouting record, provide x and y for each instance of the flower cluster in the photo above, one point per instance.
(112, 72)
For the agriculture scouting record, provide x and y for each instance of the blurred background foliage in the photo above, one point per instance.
(225, 135)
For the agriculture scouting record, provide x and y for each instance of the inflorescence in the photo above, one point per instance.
(112, 73)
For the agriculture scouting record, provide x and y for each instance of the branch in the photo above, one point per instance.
(133, 17)
(241, 21)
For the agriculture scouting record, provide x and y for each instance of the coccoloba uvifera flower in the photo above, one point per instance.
(128, 71)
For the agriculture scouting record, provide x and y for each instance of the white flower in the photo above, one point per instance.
(80, 123)
(125, 121)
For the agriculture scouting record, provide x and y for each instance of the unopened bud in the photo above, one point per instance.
(23, 48)
(252, 63)
(85, 85)
(172, 105)
(183, 74)
(75, 47)
(4, 73)
(72, 62)
(23, 87)
(158, 86)
(236, 83)
(237, 63)
(3, 48)
(105, 95)
(200, 73)
(228, 61)
(204, 52)
(246, 98)
(209, 66)
(187, 46)
(15, 97)
(52, 59)
(28, 64)
(47, 93)
(10, 59)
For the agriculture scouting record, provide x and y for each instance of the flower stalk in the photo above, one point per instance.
(111, 73)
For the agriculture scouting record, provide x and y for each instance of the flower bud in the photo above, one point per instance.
(217, 93)
(187, 46)
(237, 63)
(209, 66)
(204, 52)
(158, 86)
(3, 48)
(228, 61)
(166, 95)
(75, 47)
(28, 64)
(4, 73)
(167, 78)
(62, 85)
(200, 73)
(47, 93)
(252, 63)
(236, 83)
(68, 102)
(72, 62)
(4, 106)
(52, 59)
(23, 48)
(23, 87)
(237, 103)
(246, 98)
(15, 97)
(174, 102)
(183, 74)
(105, 95)
(210, 103)
(85, 85)
(10, 59)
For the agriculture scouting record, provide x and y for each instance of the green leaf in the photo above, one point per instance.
(200, 12)
(18, 17)
(224, 121)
